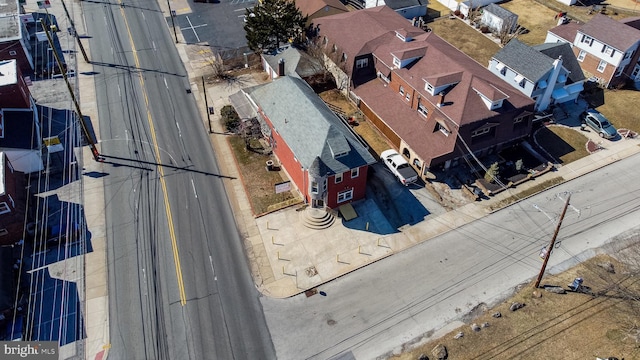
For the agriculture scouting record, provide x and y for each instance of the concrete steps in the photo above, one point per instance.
(317, 219)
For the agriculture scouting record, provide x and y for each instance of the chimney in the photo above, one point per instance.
(281, 67)
(441, 99)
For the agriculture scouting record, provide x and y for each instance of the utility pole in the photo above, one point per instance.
(206, 105)
(553, 241)
(83, 125)
(75, 33)
(171, 15)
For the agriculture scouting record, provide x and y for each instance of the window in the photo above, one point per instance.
(345, 195)
(429, 88)
(587, 40)
(607, 50)
(627, 54)
(338, 178)
(520, 80)
(441, 128)
(480, 132)
(503, 71)
(520, 120)
(501, 68)
(4, 208)
(355, 173)
(619, 72)
(334, 48)
(581, 55)
(602, 65)
(3, 232)
(13, 53)
(396, 62)
(407, 97)
(314, 187)
(362, 63)
(417, 163)
(344, 57)
(401, 90)
(422, 110)
(635, 74)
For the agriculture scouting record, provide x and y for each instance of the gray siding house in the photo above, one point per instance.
(547, 73)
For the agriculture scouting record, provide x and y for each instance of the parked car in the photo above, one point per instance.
(599, 123)
(399, 167)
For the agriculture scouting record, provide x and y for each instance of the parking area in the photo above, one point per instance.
(219, 24)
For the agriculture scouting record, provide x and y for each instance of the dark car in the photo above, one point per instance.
(599, 123)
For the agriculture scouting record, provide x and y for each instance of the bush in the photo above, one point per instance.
(230, 118)
(492, 173)
(484, 29)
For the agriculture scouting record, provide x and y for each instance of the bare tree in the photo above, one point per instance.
(507, 31)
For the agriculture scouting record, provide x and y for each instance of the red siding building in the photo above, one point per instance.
(322, 156)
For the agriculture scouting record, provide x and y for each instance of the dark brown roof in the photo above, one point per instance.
(444, 79)
(310, 7)
(611, 32)
(566, 31)
(360, 32)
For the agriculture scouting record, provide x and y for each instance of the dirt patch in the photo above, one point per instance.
(535, 17)
(259, 183)
(556, 326)
(465, 38)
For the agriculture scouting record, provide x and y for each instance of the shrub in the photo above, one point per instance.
(484, 29)
(492, 173)
(230, 118)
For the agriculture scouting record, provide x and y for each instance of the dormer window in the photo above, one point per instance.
(362, 63)
(608, 50)
(429, 88)
(422, 110)
(520, 80)
(343, 58)
(442, 128)
(502, 69)
(334, 48)
(396, 62)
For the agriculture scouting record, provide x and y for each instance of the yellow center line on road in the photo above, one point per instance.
(163, 184)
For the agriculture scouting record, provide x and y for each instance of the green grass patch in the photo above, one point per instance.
(564, 144)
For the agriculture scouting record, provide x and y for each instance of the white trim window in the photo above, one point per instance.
(502, 68)
(362, 63)
(345, 195)
(401, 90)
(314, 187)
(338, 178)
(355, 173)
(422, 110)
(520, 80)
(608, 50)
(602, 66)
(4, 208)
(635, 74)
(581, 55)
(587, 40)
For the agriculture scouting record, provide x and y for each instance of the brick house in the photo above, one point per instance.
(434, 103)
(605, 48)
(548, 73)
(14, 36)
(13, 197)
(325, 160)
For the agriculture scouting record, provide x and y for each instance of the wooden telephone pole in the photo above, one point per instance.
(553, 241)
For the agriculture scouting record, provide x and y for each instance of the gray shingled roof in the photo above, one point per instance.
(308, 126)
(524, 60)
(403, 4)
(499, 11)
(296, 63)
(569, 61)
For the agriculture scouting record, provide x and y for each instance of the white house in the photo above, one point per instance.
(547, 73)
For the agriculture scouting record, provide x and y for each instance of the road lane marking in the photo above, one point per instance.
(167, 206)
(194, 189)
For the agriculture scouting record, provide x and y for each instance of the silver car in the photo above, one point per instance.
(599, 123)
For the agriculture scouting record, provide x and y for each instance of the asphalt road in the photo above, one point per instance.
(376, 309)
(179, 284)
